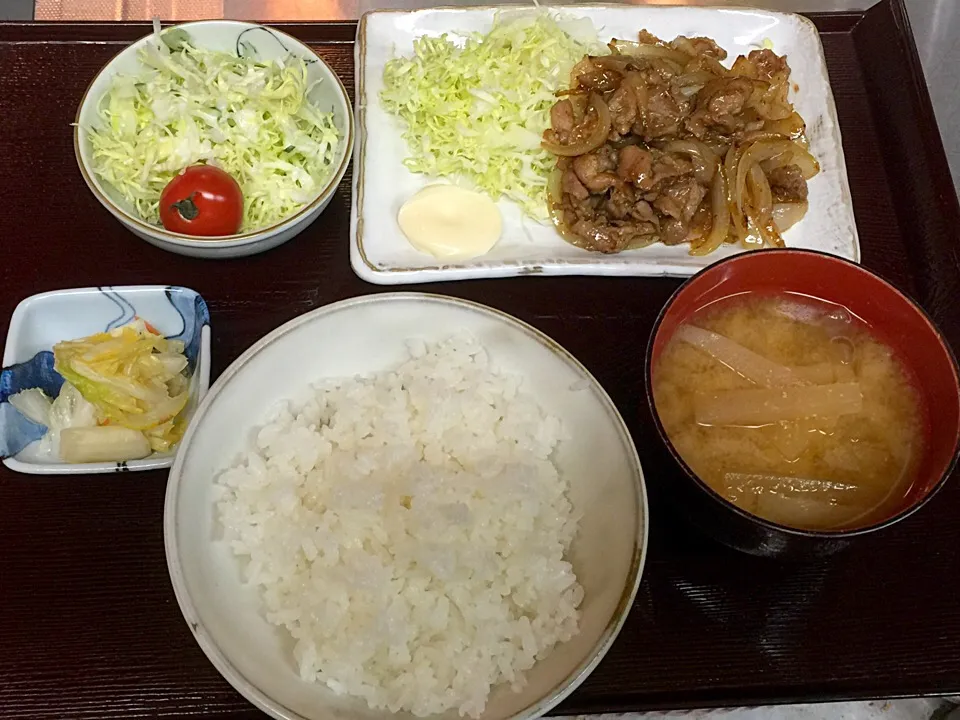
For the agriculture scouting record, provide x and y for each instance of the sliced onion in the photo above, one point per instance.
(753, 136)
(792, 127)
(683, 44)
(597, 138)
(771, 236)
(786, 215)
(721, 218)
(697, 77)
(625, 47)
(744, 67)
(611, 62)
(734, 203)
(718, 146)
(763, 150)
(761, 212)
(697, 234)
(713, 66)
(753, 237)
(777, 161)
(792, 153)
(579, 103)
(705, 161)
(555, 197)
(691, 83)
(773, 104)
(555, 187)
(642, 95)
(555, 206)
(761, 195)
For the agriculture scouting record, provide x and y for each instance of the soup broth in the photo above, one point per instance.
(791, 409)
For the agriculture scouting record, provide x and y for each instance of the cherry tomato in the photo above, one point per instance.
(202, 200)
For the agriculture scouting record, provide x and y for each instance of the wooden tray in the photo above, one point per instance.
(89, 626)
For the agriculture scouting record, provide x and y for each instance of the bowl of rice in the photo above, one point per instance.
(406, 504)
(245, 98)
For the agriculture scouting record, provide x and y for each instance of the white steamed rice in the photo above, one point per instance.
(409, 529)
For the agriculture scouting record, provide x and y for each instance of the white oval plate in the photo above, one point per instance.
(380, 253)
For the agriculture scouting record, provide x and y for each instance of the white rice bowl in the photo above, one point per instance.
(466, 517)
(398, 522)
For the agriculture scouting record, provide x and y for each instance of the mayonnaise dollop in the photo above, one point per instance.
(450, 222)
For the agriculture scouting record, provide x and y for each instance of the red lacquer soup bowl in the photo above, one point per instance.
(894, 318)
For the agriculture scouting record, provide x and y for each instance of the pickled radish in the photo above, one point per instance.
(795, 501)
(824, 373)
(756, 483)
(738, 358)
(754, 408)
(109, 443)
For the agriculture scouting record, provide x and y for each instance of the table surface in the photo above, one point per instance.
(90, 626)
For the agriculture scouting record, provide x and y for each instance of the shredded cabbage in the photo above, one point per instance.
(250, 118)
(134, 377)
(479, 111)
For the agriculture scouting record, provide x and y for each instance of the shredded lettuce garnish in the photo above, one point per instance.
(478, 111)
(134, 377)
(250, 118)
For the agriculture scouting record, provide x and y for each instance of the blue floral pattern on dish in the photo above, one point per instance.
(194, 313)
(37, 372)
(16, 431)
(127, 311)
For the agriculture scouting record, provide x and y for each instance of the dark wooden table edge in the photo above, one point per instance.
(328, 32)
(342, 32)
(733, 698)
(923, 105)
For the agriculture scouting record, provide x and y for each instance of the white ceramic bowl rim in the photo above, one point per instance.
(171, 546)
(240, 239)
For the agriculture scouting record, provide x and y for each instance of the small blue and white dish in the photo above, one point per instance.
(41, 321)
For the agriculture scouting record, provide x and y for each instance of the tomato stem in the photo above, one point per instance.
(187, 207)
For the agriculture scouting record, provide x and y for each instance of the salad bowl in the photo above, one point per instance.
(41, 321)
(325, 90)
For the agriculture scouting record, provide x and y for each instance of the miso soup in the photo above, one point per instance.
(793, 410)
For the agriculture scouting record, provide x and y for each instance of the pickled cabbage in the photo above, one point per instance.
(134, 377)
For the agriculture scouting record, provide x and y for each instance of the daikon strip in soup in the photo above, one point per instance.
(790, 408)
